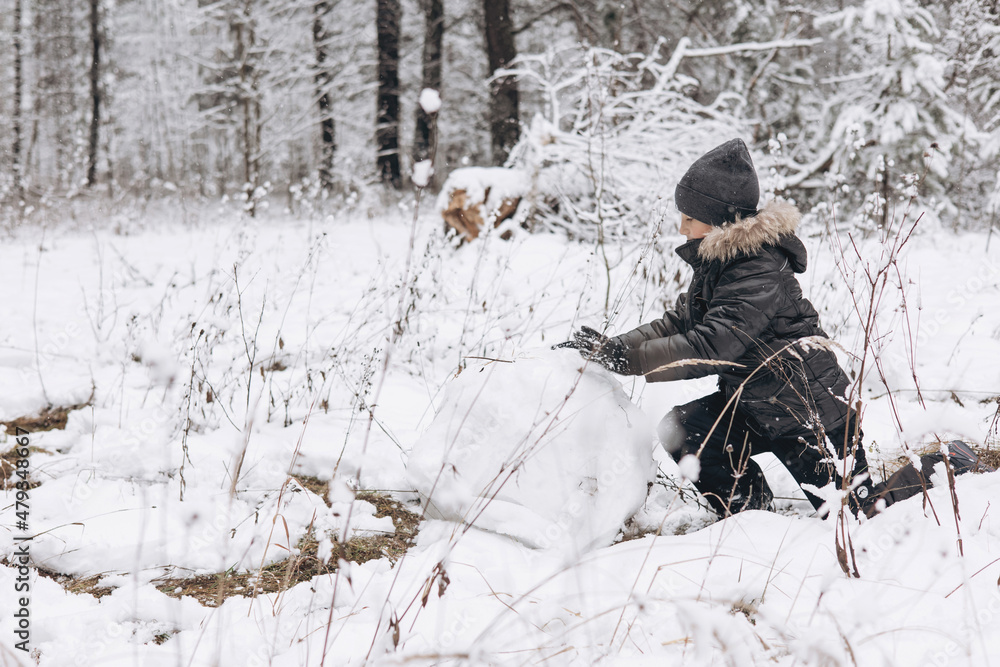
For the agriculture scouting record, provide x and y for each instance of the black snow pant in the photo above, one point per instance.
(730, 480)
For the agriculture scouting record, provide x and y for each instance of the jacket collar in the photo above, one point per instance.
(689, 252)
(747, 235)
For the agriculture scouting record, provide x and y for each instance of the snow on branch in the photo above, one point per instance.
(823, 159)
(750, 46)
(684, 50)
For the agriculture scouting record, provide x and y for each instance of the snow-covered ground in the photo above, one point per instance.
(219, 360)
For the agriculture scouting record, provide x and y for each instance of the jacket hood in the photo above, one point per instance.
(795, 251)
(774, 225)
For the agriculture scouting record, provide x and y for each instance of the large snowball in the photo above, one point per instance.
(542, 449)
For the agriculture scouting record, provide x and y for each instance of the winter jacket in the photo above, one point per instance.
(745, 307)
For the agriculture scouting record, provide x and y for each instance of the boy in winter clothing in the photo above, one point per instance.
(743, 318)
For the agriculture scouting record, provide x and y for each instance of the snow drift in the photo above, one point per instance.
(548, 450)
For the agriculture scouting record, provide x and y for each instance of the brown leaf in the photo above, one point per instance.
(842, 558)
(394, 624)
(427, 592)
(443, 582)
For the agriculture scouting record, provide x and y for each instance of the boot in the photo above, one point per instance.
(757, 497)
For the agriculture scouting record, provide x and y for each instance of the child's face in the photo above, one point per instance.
(693, 229)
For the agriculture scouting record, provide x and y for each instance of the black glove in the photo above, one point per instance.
(608, 352)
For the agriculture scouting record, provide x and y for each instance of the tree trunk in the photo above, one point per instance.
(95, 91)
(433, 37)
(504, 118)
(328, 139)
(245, 36)
(18, 90)
(388, 17)
(55, 76)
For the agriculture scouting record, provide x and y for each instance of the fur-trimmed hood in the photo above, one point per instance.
(774, 224)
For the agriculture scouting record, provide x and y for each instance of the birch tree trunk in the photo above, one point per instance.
(55, 99)
(18, 165)
(249, 96)
(328, 137)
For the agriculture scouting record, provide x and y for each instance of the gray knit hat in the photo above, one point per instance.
(720, 185)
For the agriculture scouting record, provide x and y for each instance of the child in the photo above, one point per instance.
(743, 318)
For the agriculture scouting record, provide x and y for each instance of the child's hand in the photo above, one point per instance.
(586, 340)
(608, 352)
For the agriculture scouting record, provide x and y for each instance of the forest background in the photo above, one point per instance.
(313, 104)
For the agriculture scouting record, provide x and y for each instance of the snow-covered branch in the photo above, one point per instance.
(684, 50)
(749, 46)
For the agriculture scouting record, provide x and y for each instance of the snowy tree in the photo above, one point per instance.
(388, 18)
(17, 159)
(96, 96)
(504, 104)
(233, 98)
(463, 131)
(56, 152)
(430, 76)
(888, 124)
(972, 42)
(328, 135)
(259, 101)
(616, 133)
